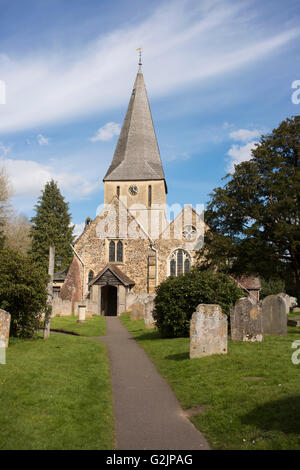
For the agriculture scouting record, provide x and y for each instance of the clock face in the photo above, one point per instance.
(133, 190)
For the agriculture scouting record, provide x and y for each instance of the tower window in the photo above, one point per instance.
(118, 191)
(112, 256)
(120, 251)
(180, 263)
(149, 196)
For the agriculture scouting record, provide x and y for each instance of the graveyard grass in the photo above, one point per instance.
(239, 414)
(56, 394)
(94, 326)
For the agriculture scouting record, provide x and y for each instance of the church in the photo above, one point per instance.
(131, 246)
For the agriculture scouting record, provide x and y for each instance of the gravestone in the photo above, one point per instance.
(246, 321)
(81, 313)
(149, 320)
(137, 311)
(208, 331)
(4, 327)
(274, 315)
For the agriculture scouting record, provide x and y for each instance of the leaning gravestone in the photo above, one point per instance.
(274, 315)
(137, 311)
(246, 321)
(4, 327)
(149, 320)
(208, 331)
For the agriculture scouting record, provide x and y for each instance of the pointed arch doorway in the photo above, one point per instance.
(113, 286)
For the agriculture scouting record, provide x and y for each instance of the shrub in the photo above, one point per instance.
(178, 297)
(22, 292)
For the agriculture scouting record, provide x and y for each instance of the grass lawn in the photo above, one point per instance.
(240, 414)
(92, 327)
(56, 394)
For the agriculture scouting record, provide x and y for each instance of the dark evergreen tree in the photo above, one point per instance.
(254, 218)
(52, 225)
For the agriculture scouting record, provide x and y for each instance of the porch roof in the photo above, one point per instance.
(111, 275)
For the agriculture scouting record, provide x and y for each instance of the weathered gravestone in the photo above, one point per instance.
(137, 311)
(4, 327)
(274, 315)
(208, 331)
(149, 320)
(246, 321)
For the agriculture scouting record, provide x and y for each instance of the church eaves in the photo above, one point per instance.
(137, 154)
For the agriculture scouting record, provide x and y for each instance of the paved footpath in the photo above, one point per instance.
(147, 413)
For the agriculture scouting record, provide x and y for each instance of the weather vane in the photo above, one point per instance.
(140, 58)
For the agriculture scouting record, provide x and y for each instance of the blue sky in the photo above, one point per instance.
(218, 74)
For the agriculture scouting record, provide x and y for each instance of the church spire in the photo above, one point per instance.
(137, 155)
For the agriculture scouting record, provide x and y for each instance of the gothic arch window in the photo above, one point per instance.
(112, 255)
(90, 277)
(120, 251)
(179, 262)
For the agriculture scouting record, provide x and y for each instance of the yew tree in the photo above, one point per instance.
(52, 226)
(254, 217)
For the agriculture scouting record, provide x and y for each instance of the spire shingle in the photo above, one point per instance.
(137, 154)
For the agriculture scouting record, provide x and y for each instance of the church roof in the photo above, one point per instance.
(137, 154)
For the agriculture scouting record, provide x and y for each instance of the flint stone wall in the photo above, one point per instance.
(274, 315)
(61, 307)
(208, 331)
(5, 318)
(246, 321)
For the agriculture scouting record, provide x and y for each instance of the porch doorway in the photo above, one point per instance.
(109, 301)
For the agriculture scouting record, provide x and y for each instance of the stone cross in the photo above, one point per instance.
(246, 321)
(49, 290)
(208, 331)
(4, 327)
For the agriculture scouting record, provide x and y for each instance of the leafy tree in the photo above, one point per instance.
(177, 298)
(5, 192)
(254, 218)
(17, 234)
(22, 292)
(271, 286)
(52, 225)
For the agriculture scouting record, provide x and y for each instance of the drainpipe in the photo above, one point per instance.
(83, 265)
(156, 261)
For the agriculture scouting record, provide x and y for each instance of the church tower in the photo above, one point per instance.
(136, 174)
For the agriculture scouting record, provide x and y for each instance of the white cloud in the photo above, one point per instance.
(239, 153)
(28, 178)
(245, 135)
(42, 140)
(106, 132)
(3, 149)
(185, 42)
